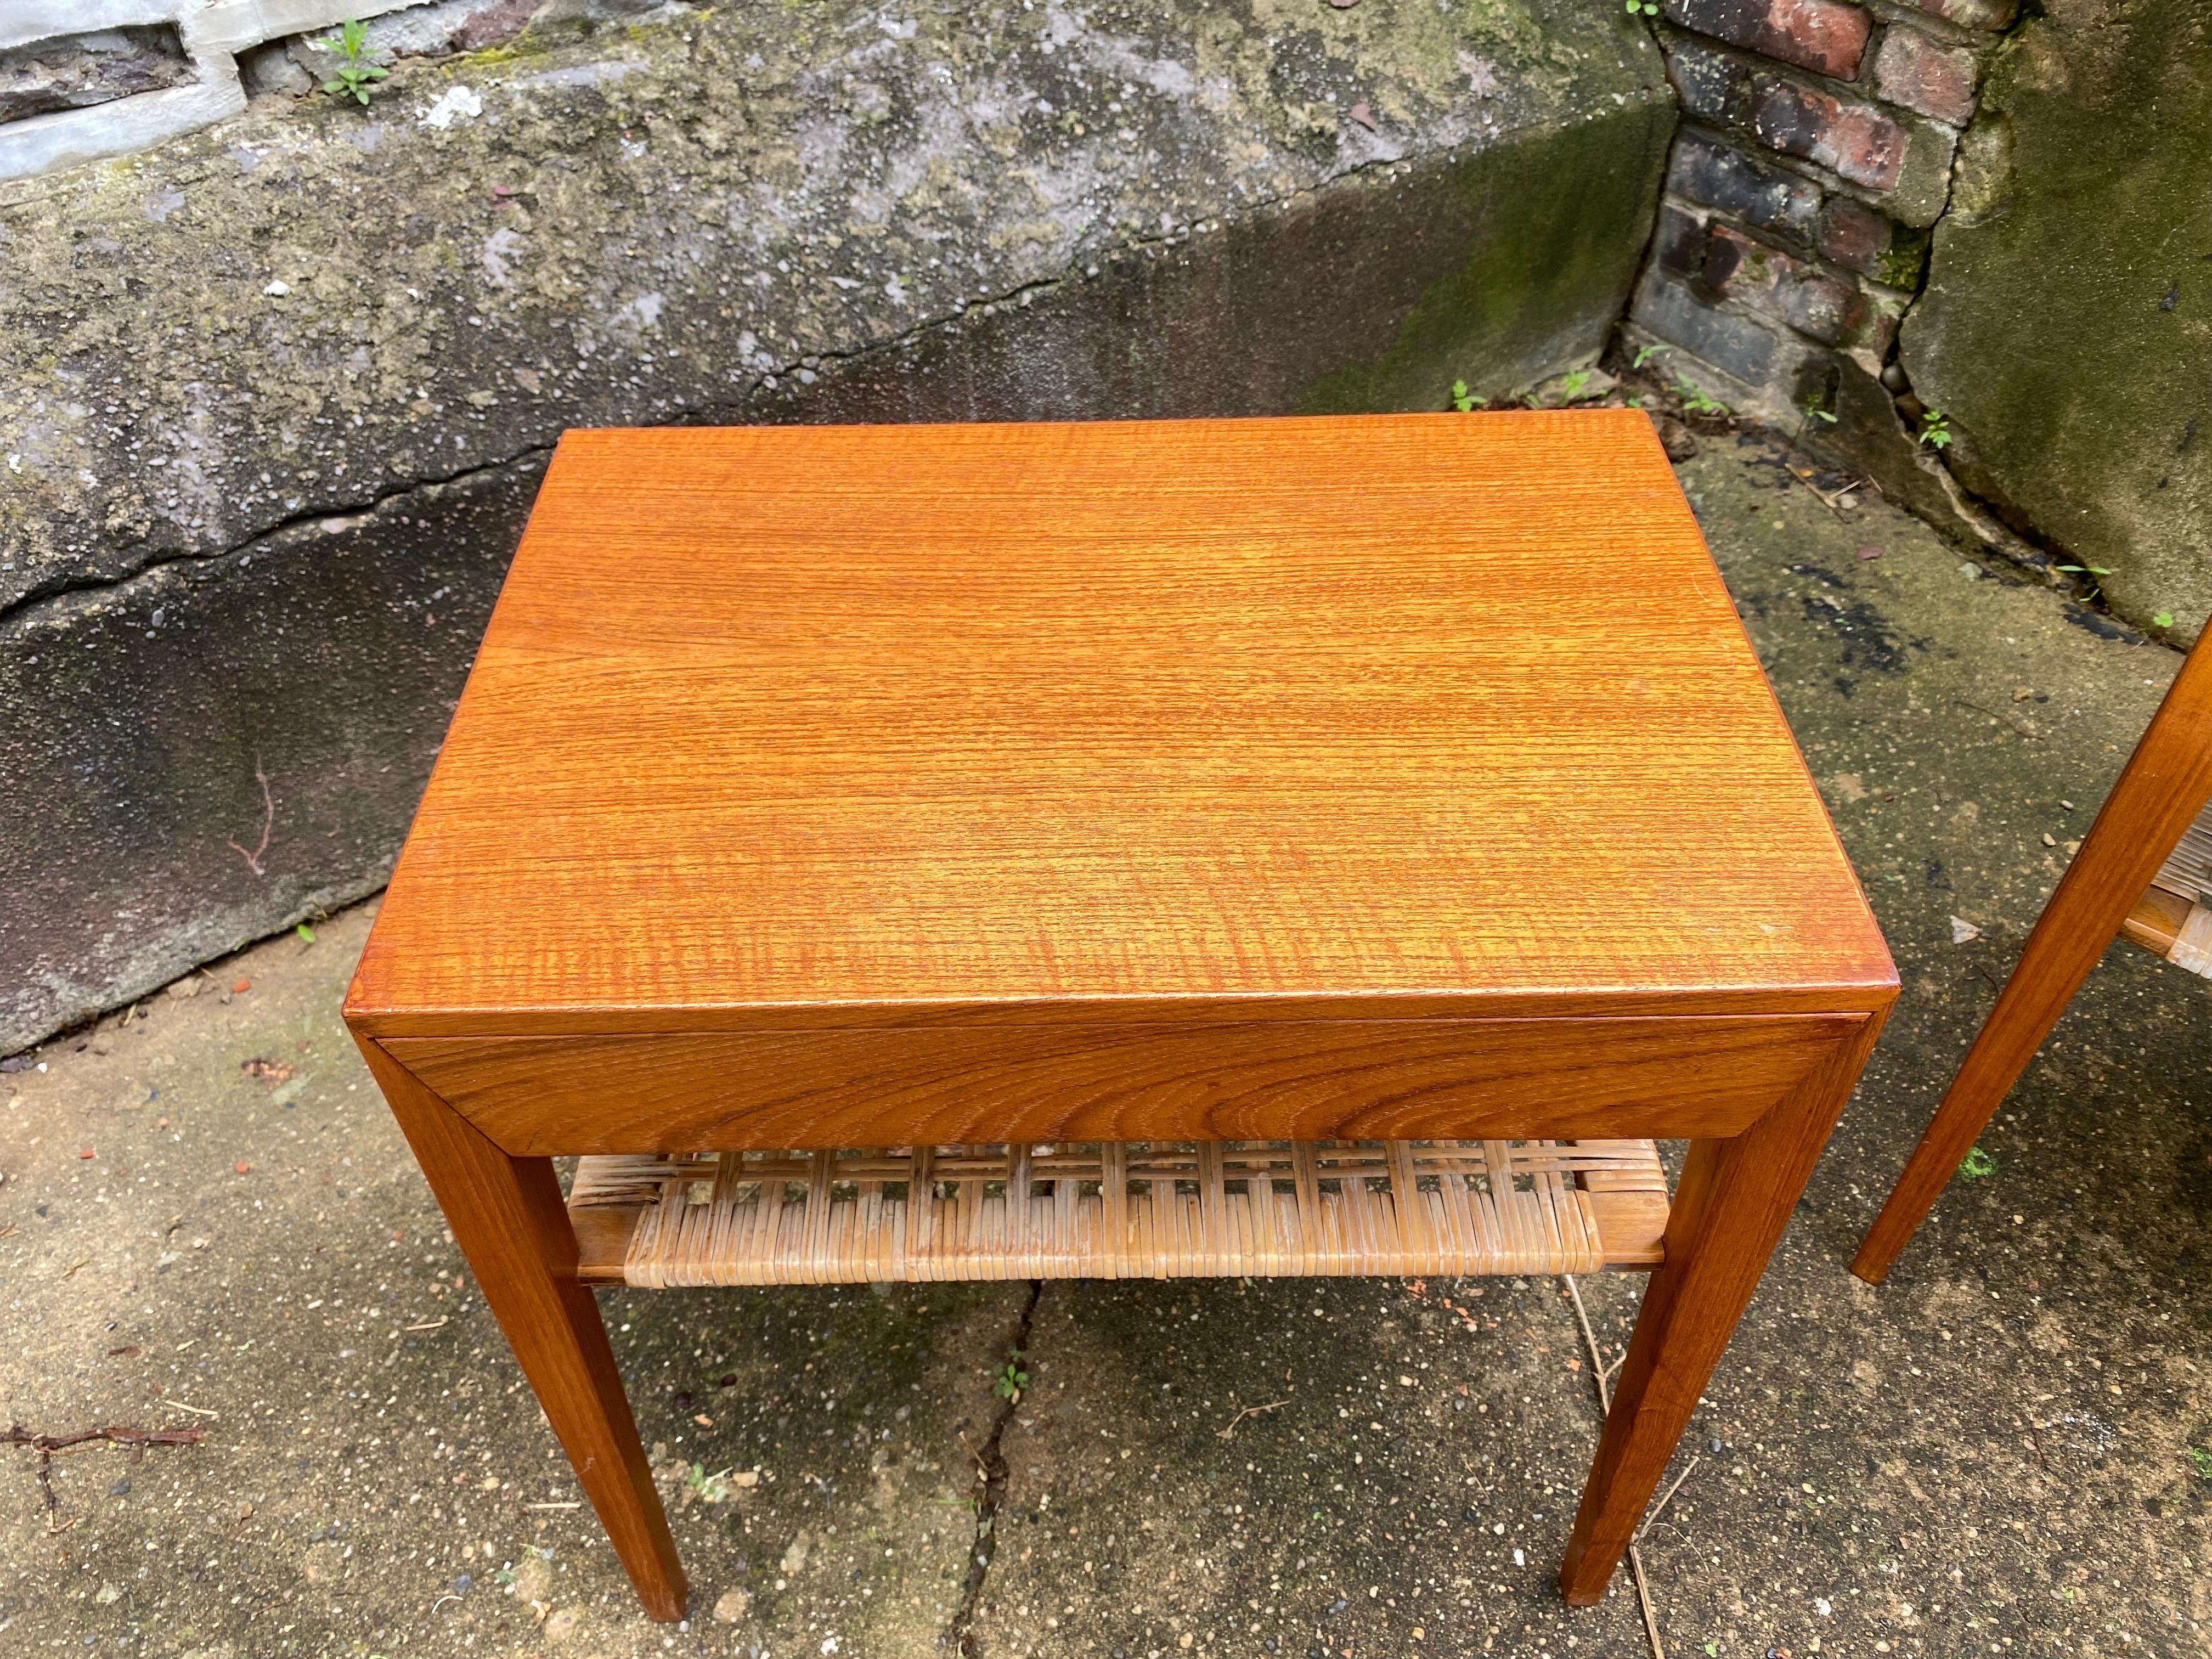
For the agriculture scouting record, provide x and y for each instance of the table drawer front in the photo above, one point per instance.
(1364, 1079)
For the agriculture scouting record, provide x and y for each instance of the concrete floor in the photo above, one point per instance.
(207, 1220)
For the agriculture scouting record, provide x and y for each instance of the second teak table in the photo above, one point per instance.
(1294, 845)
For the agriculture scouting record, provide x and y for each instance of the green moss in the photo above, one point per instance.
(1901, 263)
(1553, 227)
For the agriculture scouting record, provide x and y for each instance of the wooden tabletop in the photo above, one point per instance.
(1422, 715)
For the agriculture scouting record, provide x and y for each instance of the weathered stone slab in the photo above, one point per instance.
(72, 71)
(341, 341)
(2066, 328)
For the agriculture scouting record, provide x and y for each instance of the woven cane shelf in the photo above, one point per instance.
(1132, 1210)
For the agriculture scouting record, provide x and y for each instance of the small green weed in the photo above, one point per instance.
(1463, 400)
(1644, 353)
(1712, 1651)
(1697, 402)
(1977, 1163)
(1011, 1379)
(2089, 570)
(1935, 428)
(306, 933)
(1571, 387)
(355, 69)
(1642, 8)
(707, 1488)
(2201, 1460)
(2164, 619)
(1813, 411)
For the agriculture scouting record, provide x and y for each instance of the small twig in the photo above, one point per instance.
(1230, 1433)
(1605, 1403)
(115, 1434)
(268, 821)
(1659, 1508)
(198, 1410)
(1833, 503)
(982, 1467)
(552, 1506)
(427, 1325)
(2025, 728)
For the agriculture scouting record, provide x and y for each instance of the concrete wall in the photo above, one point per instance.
(2066, 328)
(274, 394)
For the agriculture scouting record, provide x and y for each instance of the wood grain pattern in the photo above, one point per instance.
(868, 722)
(1733, 1200)
(2160, 791)
(1351, 1079)
(508, 1218)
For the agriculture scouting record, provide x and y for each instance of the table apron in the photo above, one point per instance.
(1397, 1080)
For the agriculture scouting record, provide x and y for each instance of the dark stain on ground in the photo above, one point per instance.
(1870, 643)
(2102, 627)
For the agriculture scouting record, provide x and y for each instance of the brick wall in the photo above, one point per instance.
(1814, 154)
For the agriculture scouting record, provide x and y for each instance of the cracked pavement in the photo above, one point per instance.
(207, 1220)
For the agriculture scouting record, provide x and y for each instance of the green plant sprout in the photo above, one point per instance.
(354, 70)
(1935, 428)
(1644, 353)
(1977, 1163)
(2164, 619)
(713, 1488)
(1813, 411)
(2089, 570)
(2201, 1460)
(1571, 388)
(307, 934)
(1011, 1379)
(1697, 402)
(1642, 8)
(1463, 400)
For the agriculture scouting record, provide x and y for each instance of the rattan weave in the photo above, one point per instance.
(1134, 1210)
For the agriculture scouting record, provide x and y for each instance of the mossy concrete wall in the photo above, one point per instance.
(274, 398)
(2066, 327)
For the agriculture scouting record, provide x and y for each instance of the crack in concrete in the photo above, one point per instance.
(1995, 531)
(991, 1477)
(27, 608)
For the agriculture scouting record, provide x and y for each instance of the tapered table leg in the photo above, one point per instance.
(2160, 792)
(506, 1215)
(1730, 1206)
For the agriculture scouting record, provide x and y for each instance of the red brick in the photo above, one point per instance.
(1828, 309)
(1737, 268)
(1854, 140)
(1932, 80)
(1852, 234)
(1974, 13)
(1824, 36)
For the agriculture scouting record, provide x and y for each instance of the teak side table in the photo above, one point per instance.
(2115, 887)
(1146, 848)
